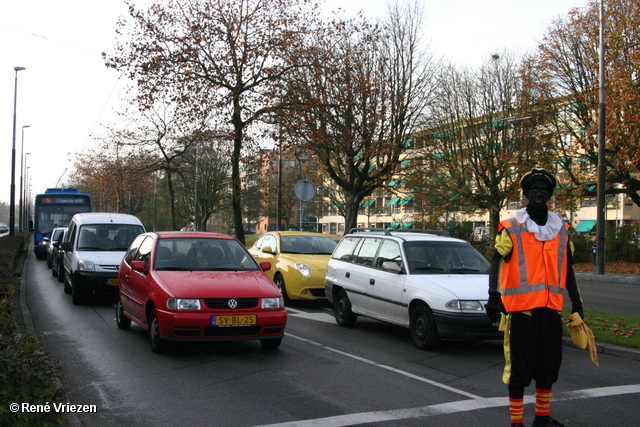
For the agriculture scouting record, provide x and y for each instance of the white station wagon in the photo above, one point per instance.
(434, 285)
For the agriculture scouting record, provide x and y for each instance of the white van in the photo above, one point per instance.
(94, 245)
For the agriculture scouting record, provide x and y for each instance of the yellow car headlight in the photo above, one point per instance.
(303, 269)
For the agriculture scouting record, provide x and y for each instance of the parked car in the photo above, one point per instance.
(57, 254)
(93, 247)
(197, 286)
(434, 285)
(299, 261)
(56, 235)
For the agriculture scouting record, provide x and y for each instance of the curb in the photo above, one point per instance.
(22, 316)
(612, 349)
(629, 279)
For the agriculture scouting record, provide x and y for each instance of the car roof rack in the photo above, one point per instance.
(388, 232)
(367, 229)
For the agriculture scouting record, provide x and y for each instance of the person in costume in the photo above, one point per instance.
(530, 271)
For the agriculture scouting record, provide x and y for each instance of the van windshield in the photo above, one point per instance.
(107, 237)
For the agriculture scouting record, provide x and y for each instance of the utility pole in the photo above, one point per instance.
(602, 170)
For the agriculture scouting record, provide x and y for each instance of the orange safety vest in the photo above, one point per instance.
(536, 273)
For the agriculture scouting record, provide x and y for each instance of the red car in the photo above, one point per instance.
(196, 286)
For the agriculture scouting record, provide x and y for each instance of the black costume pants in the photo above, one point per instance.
(535, 351)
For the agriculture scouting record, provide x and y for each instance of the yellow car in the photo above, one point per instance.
(298, 261)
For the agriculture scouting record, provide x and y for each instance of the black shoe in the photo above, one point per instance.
(517, 425)
(551, 423)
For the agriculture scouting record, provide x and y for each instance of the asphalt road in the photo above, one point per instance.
(609, 294)
(322, 375)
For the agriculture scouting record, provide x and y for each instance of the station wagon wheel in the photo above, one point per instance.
(122, 321)
(342, 310)
(279, 280)
(424, 332)
(158, 346)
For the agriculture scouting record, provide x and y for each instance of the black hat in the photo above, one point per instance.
(538, 174)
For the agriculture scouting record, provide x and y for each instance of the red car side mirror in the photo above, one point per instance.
(265, 266)
(140, 266)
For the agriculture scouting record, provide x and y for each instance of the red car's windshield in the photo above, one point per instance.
(202, 254)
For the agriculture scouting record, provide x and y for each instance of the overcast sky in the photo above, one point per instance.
(66, 92)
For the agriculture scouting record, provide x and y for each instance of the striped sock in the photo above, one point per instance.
(516, 410)
(543, 398)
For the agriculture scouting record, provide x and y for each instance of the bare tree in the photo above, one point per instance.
(221, 56)
(485, 138)
(117, 179)
(203, 179)
(358, 105)
(157, 132)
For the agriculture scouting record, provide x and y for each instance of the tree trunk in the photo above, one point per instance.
(236, 183)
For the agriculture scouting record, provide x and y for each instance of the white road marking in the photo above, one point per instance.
(449, 408)
(474, 403)
(320, 317)
(388, 368)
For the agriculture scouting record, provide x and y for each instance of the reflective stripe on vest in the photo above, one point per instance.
(535, 276)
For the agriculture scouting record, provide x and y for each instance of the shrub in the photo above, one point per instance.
(622, 244)
(582, 245)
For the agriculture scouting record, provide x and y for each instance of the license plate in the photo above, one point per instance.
(235, 320)
(113, 282)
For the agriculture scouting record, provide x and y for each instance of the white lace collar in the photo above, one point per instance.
(545, 232)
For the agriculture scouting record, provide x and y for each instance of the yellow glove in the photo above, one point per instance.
(582, 336)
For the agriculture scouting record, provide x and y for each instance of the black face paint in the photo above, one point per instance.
(539, 194)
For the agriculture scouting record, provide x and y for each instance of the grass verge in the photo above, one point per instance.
(27, 374)
(609, 328)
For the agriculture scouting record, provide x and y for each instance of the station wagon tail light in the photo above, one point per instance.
(183, 304)
(465, 306)
(268, 303)
(303, 269)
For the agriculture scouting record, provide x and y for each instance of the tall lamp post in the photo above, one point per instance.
(28, 190)
(22, 156)
(12, 205)
(25, 198)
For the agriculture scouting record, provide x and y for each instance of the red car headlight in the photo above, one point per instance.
(183, 304)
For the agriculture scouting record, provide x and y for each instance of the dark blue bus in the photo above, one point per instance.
(55, 208)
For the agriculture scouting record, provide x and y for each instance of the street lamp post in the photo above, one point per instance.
(22, 156)
(25, 198)
(28, 189)
(12, 204)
